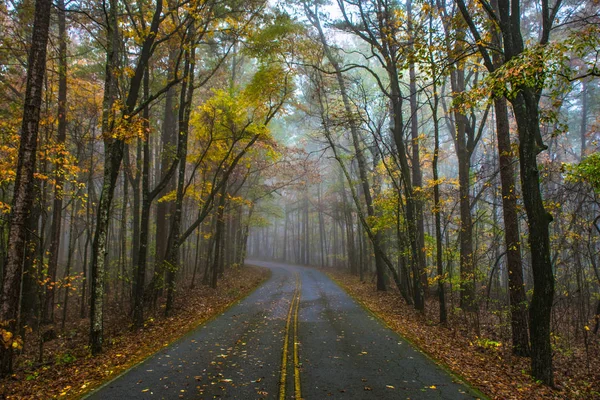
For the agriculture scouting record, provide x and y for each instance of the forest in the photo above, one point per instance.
(442, 151)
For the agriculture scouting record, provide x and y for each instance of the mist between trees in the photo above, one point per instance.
(446, 150)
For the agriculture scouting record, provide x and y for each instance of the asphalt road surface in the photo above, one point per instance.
(297, 336)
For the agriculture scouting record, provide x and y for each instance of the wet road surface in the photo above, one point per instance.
(297, 336)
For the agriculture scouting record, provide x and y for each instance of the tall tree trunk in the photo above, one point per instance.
(89, 224)
(113, 152)
(525, 99)
(148, 197)
(349, 223)
(371, 235)
(123, 236)
(285, 234)
(464, 144)
(70, 251)
(134, 175)
(209, 251)
(358, 149)
(437, 204)
(218, 237)
(84, 268)
(305, 230)
(468, 300)
(196, 257)
(417, 176)
(99, 250)
(245, 234)
(406, 286)
(516, 287)
(56, 225)
(322, 233)
(139, 279)
(114, 148)
(31, 298)
(584, 119)
(23, 189)
(174, 242)
(165, 209)
(525, 107)
(526, 111)
(411, 209)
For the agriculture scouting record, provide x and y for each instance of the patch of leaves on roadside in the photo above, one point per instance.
(485, 363)
(71, 372)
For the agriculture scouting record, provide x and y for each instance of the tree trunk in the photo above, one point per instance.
(218, 238)
(56, 225)
(174, 242)
(417, 176)
(285, 235)
(139, 277)
(123, 237)
(70, 251)
(584, 119)
(196, 258)
(89, 223)
(148, 197)
(525, 99)
(23, 189)
(411, 209)
(468, 301)
(165, 209)
(209, 252)
(113, 152)
(322, 231)
(516, 287)
(362, 167)
(246, 231)
(363, 220)
(114, 148)
(525, 107)
(437, 205)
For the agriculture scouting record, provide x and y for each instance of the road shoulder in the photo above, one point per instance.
(376, 306)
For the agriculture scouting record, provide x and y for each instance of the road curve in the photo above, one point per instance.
(297, 336)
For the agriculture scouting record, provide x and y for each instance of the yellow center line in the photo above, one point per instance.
(292, 313)
(297, 391)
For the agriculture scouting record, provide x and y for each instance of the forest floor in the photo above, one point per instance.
(485, 363)
(69, 371)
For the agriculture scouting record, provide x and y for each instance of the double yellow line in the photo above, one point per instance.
(292, 316)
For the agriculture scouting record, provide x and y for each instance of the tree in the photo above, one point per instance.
(525, 98)
(356, 143)
(114, 148)
(379, 28)
(23, 189)
(57, 206)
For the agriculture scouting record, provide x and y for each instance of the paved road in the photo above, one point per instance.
(331, 346)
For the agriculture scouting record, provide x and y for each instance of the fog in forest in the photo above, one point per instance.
(444, 153)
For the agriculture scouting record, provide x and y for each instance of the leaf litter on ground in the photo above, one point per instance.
(494, 371)
(123, 347)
